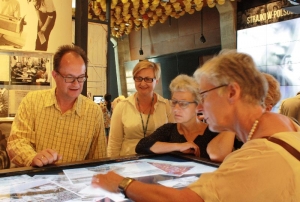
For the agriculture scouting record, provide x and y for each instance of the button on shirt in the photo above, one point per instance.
(78, 134)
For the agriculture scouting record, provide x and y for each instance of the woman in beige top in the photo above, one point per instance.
(140, 114)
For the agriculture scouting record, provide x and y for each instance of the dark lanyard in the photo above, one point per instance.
(145, 127)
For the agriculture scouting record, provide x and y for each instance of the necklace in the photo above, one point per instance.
(253, 128)
(145, 127)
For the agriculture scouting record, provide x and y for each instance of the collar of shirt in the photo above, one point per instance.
(77, 107)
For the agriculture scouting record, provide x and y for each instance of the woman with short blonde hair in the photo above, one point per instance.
(140, 114)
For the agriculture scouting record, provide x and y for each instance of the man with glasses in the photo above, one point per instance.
(59, 124)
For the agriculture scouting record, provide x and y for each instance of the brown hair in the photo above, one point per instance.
(64, 49)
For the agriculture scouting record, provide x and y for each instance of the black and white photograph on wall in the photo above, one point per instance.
(30, 70)
(3, 102)
(33, 24)
(275, 49)
(4, 76)
(15, 99)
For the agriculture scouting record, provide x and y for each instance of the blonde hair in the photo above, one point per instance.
(147, 64)
(274, 94)
(185, 83)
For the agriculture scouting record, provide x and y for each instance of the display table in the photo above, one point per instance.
(72, 181)
(6, 119)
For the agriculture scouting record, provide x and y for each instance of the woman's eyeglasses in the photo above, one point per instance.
(146, 79)
(202, 94)
(181, 103)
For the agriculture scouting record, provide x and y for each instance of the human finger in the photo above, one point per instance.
(52, 155)
(38, 160)
(197, 152)
(95, 180)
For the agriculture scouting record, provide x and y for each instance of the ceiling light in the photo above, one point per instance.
(202, 39)
(141, 50)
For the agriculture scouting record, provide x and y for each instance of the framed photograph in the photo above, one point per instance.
(30, 70)
(34, 25)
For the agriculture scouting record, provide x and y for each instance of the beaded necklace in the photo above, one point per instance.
(253, 128)
(145, 127)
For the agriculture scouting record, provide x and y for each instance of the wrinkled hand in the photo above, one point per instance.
(109, 181)
(190, 148)
(45, 157)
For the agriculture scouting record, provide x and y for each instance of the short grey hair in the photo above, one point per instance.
(229, 66)
(185, 83)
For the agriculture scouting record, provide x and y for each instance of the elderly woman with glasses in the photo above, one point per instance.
(266, 168)
(189, 134)
(140, 114)
(216, 146)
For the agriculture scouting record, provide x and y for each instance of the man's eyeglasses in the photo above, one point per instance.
(202, 94)
(181, 103)
(146, 79)
(71, 79)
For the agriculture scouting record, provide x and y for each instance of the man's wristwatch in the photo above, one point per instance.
(124, 185)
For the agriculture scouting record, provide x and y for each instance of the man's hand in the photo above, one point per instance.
(45, 157)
